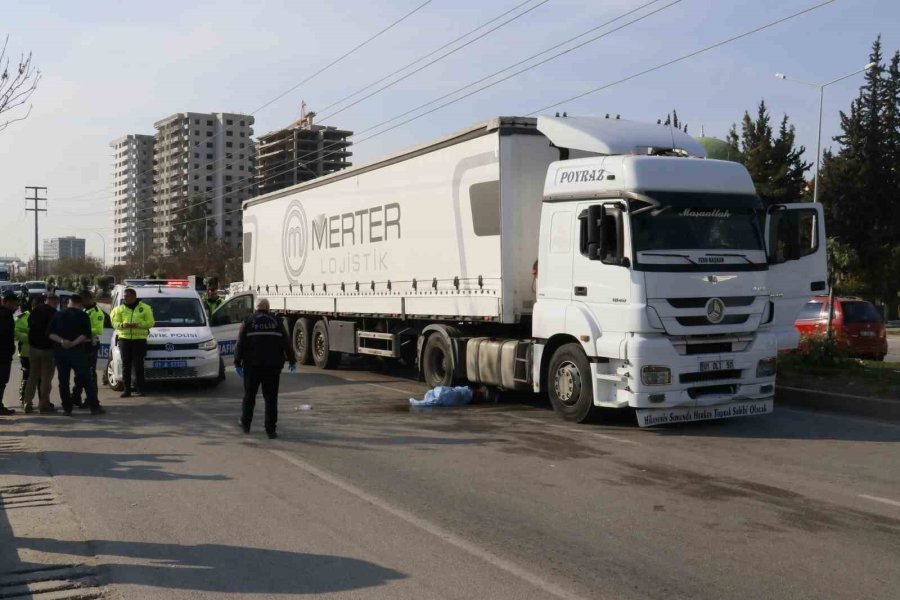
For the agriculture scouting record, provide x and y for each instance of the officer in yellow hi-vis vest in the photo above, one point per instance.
(96, 316)
(132, 321)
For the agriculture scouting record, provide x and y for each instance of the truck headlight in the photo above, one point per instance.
(209, 344)
(766, 367)
(656, 375)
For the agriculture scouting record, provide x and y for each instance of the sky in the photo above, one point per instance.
(112, 68)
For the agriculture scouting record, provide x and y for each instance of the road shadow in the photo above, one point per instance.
(224, 568)
(137, 467)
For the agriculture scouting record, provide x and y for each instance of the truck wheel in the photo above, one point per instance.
(569, 385)
(302, 339)
(437, 362)
(321, 353)
(116, 384)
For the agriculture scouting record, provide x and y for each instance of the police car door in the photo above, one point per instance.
(225, 322)
(795, 242)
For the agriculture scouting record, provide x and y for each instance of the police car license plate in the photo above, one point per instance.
(716, 365)
(169, 364)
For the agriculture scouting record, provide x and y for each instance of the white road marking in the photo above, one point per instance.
(418, 522)
(880, 499)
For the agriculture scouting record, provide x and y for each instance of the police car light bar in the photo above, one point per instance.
(163, 282)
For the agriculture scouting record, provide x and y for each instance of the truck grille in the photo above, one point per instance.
(730, 301)
(703, 321)
(708, 348)
(709, 376)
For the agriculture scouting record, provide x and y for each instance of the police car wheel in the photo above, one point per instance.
(113, 381)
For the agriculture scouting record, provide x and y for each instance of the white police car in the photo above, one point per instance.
(180, 347)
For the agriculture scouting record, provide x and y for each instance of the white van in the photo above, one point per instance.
(181, 346)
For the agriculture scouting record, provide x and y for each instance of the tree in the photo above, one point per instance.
(191, 229)
(774, 162)
(17, 87)
(672, 120)
(858, 184)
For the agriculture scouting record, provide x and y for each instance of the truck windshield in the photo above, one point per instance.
(176, 312)
(695, 221)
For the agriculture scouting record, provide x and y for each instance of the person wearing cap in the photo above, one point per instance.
(96, 317)
(22, 341)
(40, 357)
(7, 343)
(132, 321)
(53, 301)
(262, 348)
(71, 331)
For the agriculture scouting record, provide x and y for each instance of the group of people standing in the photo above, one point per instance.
(52, 341)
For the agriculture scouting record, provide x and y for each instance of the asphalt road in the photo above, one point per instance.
(362, 497)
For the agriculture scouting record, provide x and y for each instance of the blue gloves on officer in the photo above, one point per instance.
(239, 371)
(292, 367)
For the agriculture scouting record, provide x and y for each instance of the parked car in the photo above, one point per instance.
(856, 324)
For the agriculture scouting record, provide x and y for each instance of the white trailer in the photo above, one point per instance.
(604, 262)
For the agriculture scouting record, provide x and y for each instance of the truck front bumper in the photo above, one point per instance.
(722, 391)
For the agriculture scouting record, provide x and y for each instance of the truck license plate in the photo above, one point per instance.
(867, 333)
(169, 364)
(716, 365)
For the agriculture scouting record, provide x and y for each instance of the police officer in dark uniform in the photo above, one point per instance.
(262, 348)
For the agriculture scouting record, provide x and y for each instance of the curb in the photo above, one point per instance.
(876, 408)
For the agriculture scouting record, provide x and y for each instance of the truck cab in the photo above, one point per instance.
(664, 283)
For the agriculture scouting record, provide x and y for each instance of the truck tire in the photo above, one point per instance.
(322, 355)
(437, 361)
(302, 340)
(569, 385)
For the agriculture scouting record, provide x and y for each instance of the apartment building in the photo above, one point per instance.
(300, 152)
(205, 165)
(132, 196)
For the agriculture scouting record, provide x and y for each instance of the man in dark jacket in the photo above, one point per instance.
(262, 348)
(71, 331)
(7, 343)
(43, 365)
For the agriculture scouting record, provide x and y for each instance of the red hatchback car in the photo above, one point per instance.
(857, 325)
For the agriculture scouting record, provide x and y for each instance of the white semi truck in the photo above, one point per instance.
(603, 262)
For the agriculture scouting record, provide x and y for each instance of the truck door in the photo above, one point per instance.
(225, 323)
(600, 278)
(795, 243)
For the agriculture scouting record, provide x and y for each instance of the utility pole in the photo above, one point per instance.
(35, 189)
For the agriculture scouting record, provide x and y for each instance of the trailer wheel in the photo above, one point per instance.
(321, 350)
(569, 385)
(302, 339)
(437, 362)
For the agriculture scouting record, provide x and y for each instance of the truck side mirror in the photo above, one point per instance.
(595, 219)
(612, 247)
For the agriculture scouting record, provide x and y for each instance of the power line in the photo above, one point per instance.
(36, 209)
(294, 87)
(686, 56)
(421, 58)
(428, 64)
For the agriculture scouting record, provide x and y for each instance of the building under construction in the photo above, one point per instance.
(300, 152)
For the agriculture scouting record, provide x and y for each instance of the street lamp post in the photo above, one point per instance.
(821, 87)
(104, 246)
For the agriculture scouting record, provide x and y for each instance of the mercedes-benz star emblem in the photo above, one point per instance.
(170, 347)
(715, 310)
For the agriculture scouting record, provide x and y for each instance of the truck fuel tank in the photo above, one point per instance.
(502, 363)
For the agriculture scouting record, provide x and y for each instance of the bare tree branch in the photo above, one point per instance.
(16, 89)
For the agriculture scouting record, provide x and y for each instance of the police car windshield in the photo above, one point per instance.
(176, 312)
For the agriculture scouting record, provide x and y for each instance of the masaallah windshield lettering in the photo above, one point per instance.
(716, 213)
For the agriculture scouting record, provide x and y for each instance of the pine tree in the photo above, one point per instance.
(774, 162)
(672, 121)
(859, 184)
